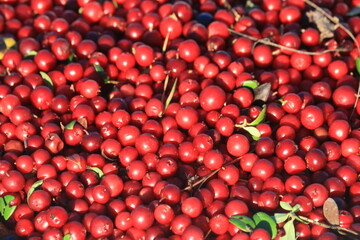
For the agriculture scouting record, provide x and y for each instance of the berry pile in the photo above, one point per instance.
(159, 119)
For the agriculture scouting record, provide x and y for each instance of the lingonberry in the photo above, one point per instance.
(262, 56)
(311, 117)
(317, 193)
(337, 69)
(263, 169)
(237, 145)
(344, 96)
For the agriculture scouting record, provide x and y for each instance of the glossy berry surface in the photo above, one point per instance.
(132, 119)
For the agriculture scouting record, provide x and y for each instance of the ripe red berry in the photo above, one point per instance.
(237, 145)
(311, 117)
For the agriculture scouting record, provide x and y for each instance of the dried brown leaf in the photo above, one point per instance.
(331, 211)
(324, 25)
(262, 92)
(83, 122)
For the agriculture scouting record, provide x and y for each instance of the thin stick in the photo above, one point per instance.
(230, 9)
(166, 41)
(336, 228)
(207, 177)
(202, 180)
(335, 20)
(268, 42)
(165, 87)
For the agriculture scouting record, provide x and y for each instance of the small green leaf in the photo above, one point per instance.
(33, 187)
(116, 5)
(67, 236)
(8, 199)
(254, 132)
(264, 221)
(30, 54)
(260, 118)
(250, 84)
(71, 57)
(48, 82)
(7, 210)
(70, 125)
(244, 223)
(280, 217)
(99, 69)
(2, 206)
(353, 12)
(97, 170)
(296, 208)
(358, 65)
(171, 94)
(249, 4)
(286, 206)
(289, 231)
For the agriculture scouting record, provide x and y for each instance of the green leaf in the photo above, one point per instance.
(7, 210)
(33, 187)
(260, 118)
(254, 132)
(2, 206)
(358, 65)
(244, 223)
(250, 84)
(289, 231)
(286, 206)
(8, 199)
(264, 221)
(116, 5)
(97, 170)
(171, 94)
(30, 54)
(353, 12)
(99, 69)
(70, 125)
(280, 217)
(296, 208)
(48, 82)
(249, 5)
(71, 57)
(67, 236)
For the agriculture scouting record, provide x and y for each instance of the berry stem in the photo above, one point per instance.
(269, 43)
(336, 228)
(335, 20)
(207, 177)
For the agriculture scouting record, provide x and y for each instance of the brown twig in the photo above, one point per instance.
(202, 180)
(333, 227)
(207, 234)
(268, 42)
(230, 9)
(207, 177)
(335, 20)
